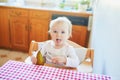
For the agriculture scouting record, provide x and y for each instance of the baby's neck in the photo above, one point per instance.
(58, 46)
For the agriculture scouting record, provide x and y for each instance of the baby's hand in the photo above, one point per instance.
(59, 60)
(33, 59)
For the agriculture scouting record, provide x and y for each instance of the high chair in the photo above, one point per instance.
(85, 55)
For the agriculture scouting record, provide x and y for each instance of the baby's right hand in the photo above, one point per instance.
(33, 59)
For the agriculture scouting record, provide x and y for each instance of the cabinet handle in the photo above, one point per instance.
(30, 27)
(38, 15)
(26, 27)
(18, 13)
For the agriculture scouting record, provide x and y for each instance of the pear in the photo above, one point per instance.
(40, 59)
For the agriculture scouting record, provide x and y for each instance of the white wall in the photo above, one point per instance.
(106, 38)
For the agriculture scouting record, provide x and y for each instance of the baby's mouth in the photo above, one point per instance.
(58, 40)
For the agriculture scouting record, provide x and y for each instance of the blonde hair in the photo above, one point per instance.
(62, 20)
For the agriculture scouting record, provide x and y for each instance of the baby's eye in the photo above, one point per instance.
(63, 32)
(55, 31)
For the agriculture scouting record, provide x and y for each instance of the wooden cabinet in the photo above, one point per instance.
(27, 25)
(38, 23)
(19, 29)
(18, 26)
(79, 35)
(4, 28)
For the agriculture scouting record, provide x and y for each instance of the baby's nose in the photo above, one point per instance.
(58, 34)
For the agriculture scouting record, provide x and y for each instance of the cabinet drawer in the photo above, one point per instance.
(19, 12)
(39, 14)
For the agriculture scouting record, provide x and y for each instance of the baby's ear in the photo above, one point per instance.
(50, 33)
(69, 36)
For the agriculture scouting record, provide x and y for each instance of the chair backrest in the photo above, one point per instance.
(89, 54)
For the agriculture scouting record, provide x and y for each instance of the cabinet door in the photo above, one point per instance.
(19, 33)
(79, 35)
(38, 23)
(4, 28)
(38, 30)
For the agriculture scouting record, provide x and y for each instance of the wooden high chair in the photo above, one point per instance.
(86, 55)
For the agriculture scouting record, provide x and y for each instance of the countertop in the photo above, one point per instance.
(54, 9)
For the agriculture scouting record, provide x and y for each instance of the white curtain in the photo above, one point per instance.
(106, 38)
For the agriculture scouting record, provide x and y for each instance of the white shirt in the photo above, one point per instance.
(67, 51)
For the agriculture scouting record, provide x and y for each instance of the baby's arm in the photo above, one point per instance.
(34, 53)
(59, 60)
(33, 59)
(72, 59)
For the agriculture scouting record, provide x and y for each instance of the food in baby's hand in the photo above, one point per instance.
(40, 59)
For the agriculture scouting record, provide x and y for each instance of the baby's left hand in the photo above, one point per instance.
(59, 60)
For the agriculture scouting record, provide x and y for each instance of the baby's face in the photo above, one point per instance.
(59, 34)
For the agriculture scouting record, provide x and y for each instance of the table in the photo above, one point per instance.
(14, 70)
(61, 67)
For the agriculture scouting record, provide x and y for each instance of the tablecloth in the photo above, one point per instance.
(14, 70)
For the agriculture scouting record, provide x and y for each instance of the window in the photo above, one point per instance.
(66, 4)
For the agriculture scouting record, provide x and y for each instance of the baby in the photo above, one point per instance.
(57, 51)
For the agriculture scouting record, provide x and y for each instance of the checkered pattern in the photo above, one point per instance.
(14, 70)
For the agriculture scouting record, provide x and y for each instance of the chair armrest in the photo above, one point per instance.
(85, 66)
(90, 55)
(33, 47)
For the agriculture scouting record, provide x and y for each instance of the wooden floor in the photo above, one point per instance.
(6, 55)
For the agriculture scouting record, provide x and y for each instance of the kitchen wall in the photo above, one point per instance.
(106, 38)
(56, 3)
(43, 2)
(3, 0)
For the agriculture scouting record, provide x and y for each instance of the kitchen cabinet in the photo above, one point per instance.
(80, 31)
(38, 22)
(18, 26)
(19, 29)
(79, 35)
(4, 28)
(27, 25)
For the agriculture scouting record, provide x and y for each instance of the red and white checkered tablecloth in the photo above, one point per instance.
(14, 70)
